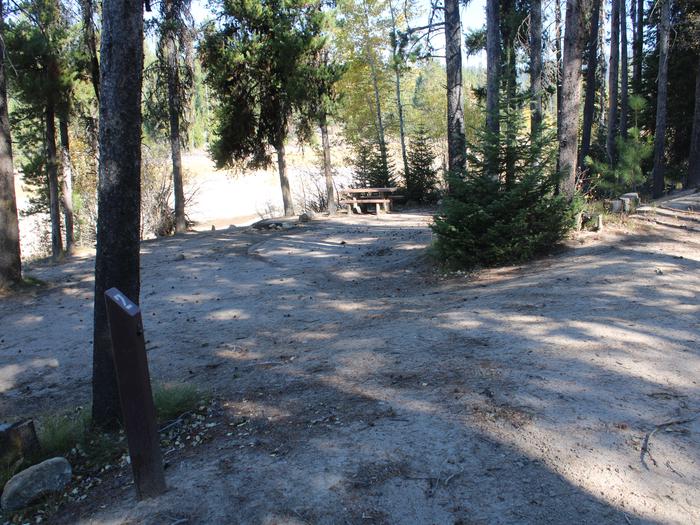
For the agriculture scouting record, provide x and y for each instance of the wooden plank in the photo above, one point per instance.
(365, 201)
(135, 395)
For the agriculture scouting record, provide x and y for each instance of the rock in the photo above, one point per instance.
(17, 441)
(179, 257)
(47, 477)
(305, 217)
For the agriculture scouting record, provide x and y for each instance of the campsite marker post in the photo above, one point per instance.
(135, 395)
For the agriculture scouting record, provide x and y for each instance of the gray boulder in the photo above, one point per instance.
(47, 477)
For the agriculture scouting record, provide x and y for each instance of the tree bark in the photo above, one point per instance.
(456, 140)
(536, 66)
(664, 31)
(119, 190)
(613, 85)
(284, 180)
(66, 183)
(624, 71)
(174, 111)
(558, 59)
(493, 67)
(52, 175)
(591, 84)
(694, 157)
(399, 104)
(327, 168)
(10, 258)
(576, 11)
(638, 45)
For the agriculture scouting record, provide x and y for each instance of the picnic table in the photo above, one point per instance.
(353, 198)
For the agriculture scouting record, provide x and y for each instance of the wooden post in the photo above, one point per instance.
(135, 395)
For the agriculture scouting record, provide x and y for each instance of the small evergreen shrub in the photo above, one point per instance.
(489, 218)
(422, 177)
(632, 152)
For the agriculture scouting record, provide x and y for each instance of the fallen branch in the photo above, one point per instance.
(645, 446)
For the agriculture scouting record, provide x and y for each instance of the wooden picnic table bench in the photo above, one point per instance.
(353, 198)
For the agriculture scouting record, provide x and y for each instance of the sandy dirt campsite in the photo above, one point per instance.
(355, 384)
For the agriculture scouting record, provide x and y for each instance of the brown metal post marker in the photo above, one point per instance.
(135, 394)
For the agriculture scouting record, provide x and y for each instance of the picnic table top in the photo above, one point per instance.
(369, 190)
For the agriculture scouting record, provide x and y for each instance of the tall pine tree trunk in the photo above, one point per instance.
(399, 104)
(456, 141)
(664, 31)
(66, 183)
(591, 84)
(613, 85)
(52, 175)
(694, 157)
(536, 65)
(10, 260)
(624, 72)
(327, 168)
(493, 81)
(88, 11)
(510, 81)
(375, 85)
(576, 13)
(493, 67)
(174, 111)
(119, 188)
(558, 59)
(638, 45)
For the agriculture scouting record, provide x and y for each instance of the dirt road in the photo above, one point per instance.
(376, 391)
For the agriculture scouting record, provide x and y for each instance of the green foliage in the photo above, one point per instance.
(487, 220)
(632, 153)
(263, 60)
(174, 400)
(369, 168)
(422, 177)
(174, 25)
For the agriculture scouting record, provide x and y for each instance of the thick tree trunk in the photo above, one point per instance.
(399, 103)
(119, 188)
(66, 183)
(638, 45)
(624, 71)
(493, 67)
(174, 110)
(610, 145)
(284, 180)
(576, 12)
(664, 31)
(10, 260)
(591, 84)
(694, 157)
(536, 66)
(88, 11)
(327, 168)
(52, 174)
(456, 141)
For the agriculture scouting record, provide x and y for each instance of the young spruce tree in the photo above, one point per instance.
(421, 177)
(485, 221)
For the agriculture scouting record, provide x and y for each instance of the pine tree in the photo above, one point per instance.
(421, 177)
(369, 168)
(485, 221)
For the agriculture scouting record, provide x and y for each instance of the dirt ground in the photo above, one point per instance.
(374, 390)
